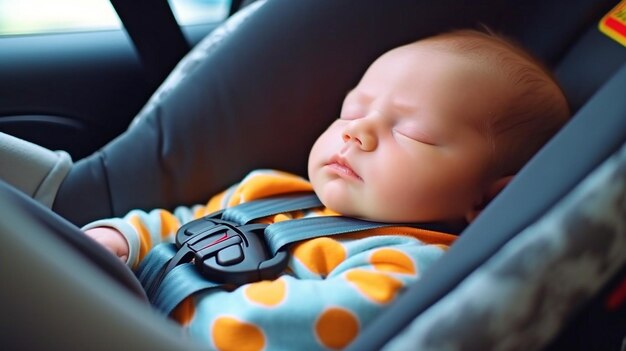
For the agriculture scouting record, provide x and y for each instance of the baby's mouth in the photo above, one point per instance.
(341, 166)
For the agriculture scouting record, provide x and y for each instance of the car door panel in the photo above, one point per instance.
(73, 91)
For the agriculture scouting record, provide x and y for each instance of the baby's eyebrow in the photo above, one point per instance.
(400, 105)
(404, 106)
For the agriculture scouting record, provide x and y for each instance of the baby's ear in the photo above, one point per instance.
(492, 190)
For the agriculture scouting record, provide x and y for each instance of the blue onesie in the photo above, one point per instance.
(333, 286)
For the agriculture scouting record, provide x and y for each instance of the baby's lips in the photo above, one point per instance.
(341, 166)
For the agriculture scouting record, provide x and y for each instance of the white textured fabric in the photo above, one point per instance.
(33, 169)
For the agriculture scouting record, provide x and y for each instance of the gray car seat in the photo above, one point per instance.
(242, 106)
(290, 63)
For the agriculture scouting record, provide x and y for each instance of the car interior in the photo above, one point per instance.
(171, 116)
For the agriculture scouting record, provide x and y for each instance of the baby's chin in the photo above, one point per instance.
(351, 202)
(355, 208)
(350, 208)
(338, 201)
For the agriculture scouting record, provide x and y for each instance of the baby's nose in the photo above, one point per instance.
(362, 134)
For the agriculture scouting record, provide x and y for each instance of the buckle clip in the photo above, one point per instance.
(226, 252)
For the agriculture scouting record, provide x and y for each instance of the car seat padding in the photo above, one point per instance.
(587, 65)
(70, 235)
(59, 291)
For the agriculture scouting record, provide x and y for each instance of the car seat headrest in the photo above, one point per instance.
(592, 60)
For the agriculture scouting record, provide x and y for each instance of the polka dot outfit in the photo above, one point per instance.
(333, 286)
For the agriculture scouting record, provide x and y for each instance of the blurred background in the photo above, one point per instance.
(44, 16)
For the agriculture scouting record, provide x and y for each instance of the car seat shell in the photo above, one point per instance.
(237, 137)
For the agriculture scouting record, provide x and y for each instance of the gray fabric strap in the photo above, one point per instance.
(249, 211)
(280, 234)
(283, 233)
(182, 281)
(154, 263)
(185, 280)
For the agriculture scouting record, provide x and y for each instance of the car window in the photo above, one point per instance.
(47, 16)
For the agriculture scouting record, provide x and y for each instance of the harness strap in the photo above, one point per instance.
(154, 263)
(186, 279)
(281, 234)
(249, 211)
(183, 281)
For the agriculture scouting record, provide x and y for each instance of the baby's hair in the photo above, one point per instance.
(538, 111)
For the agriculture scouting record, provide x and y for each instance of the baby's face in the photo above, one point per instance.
(411, 143)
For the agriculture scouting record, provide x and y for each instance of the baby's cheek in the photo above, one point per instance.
(336, 197)
(396, 200)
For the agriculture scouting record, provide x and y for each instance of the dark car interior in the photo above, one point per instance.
(257, 98)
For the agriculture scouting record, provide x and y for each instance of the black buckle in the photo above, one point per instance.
(226, 252)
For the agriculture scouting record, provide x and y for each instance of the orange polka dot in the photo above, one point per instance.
(281, 217)
(144, 235)
(229, 333)
(261, 185)
(320, 255)
(184, 312)
(169, 224)
(336, 328)
(378, 287)
(214, 204)
(199, 212)
(266, 293)
(394, 261)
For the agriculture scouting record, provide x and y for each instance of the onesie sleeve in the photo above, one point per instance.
(144, 230)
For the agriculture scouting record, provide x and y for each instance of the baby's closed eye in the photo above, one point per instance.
(415, 133)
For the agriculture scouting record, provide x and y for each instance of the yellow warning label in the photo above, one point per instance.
(614, 23)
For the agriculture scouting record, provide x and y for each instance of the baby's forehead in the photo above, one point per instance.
(440, 73)
(416, 55)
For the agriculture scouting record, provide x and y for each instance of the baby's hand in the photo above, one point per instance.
(110, 239)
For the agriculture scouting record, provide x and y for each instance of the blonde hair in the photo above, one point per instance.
(538, 111)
